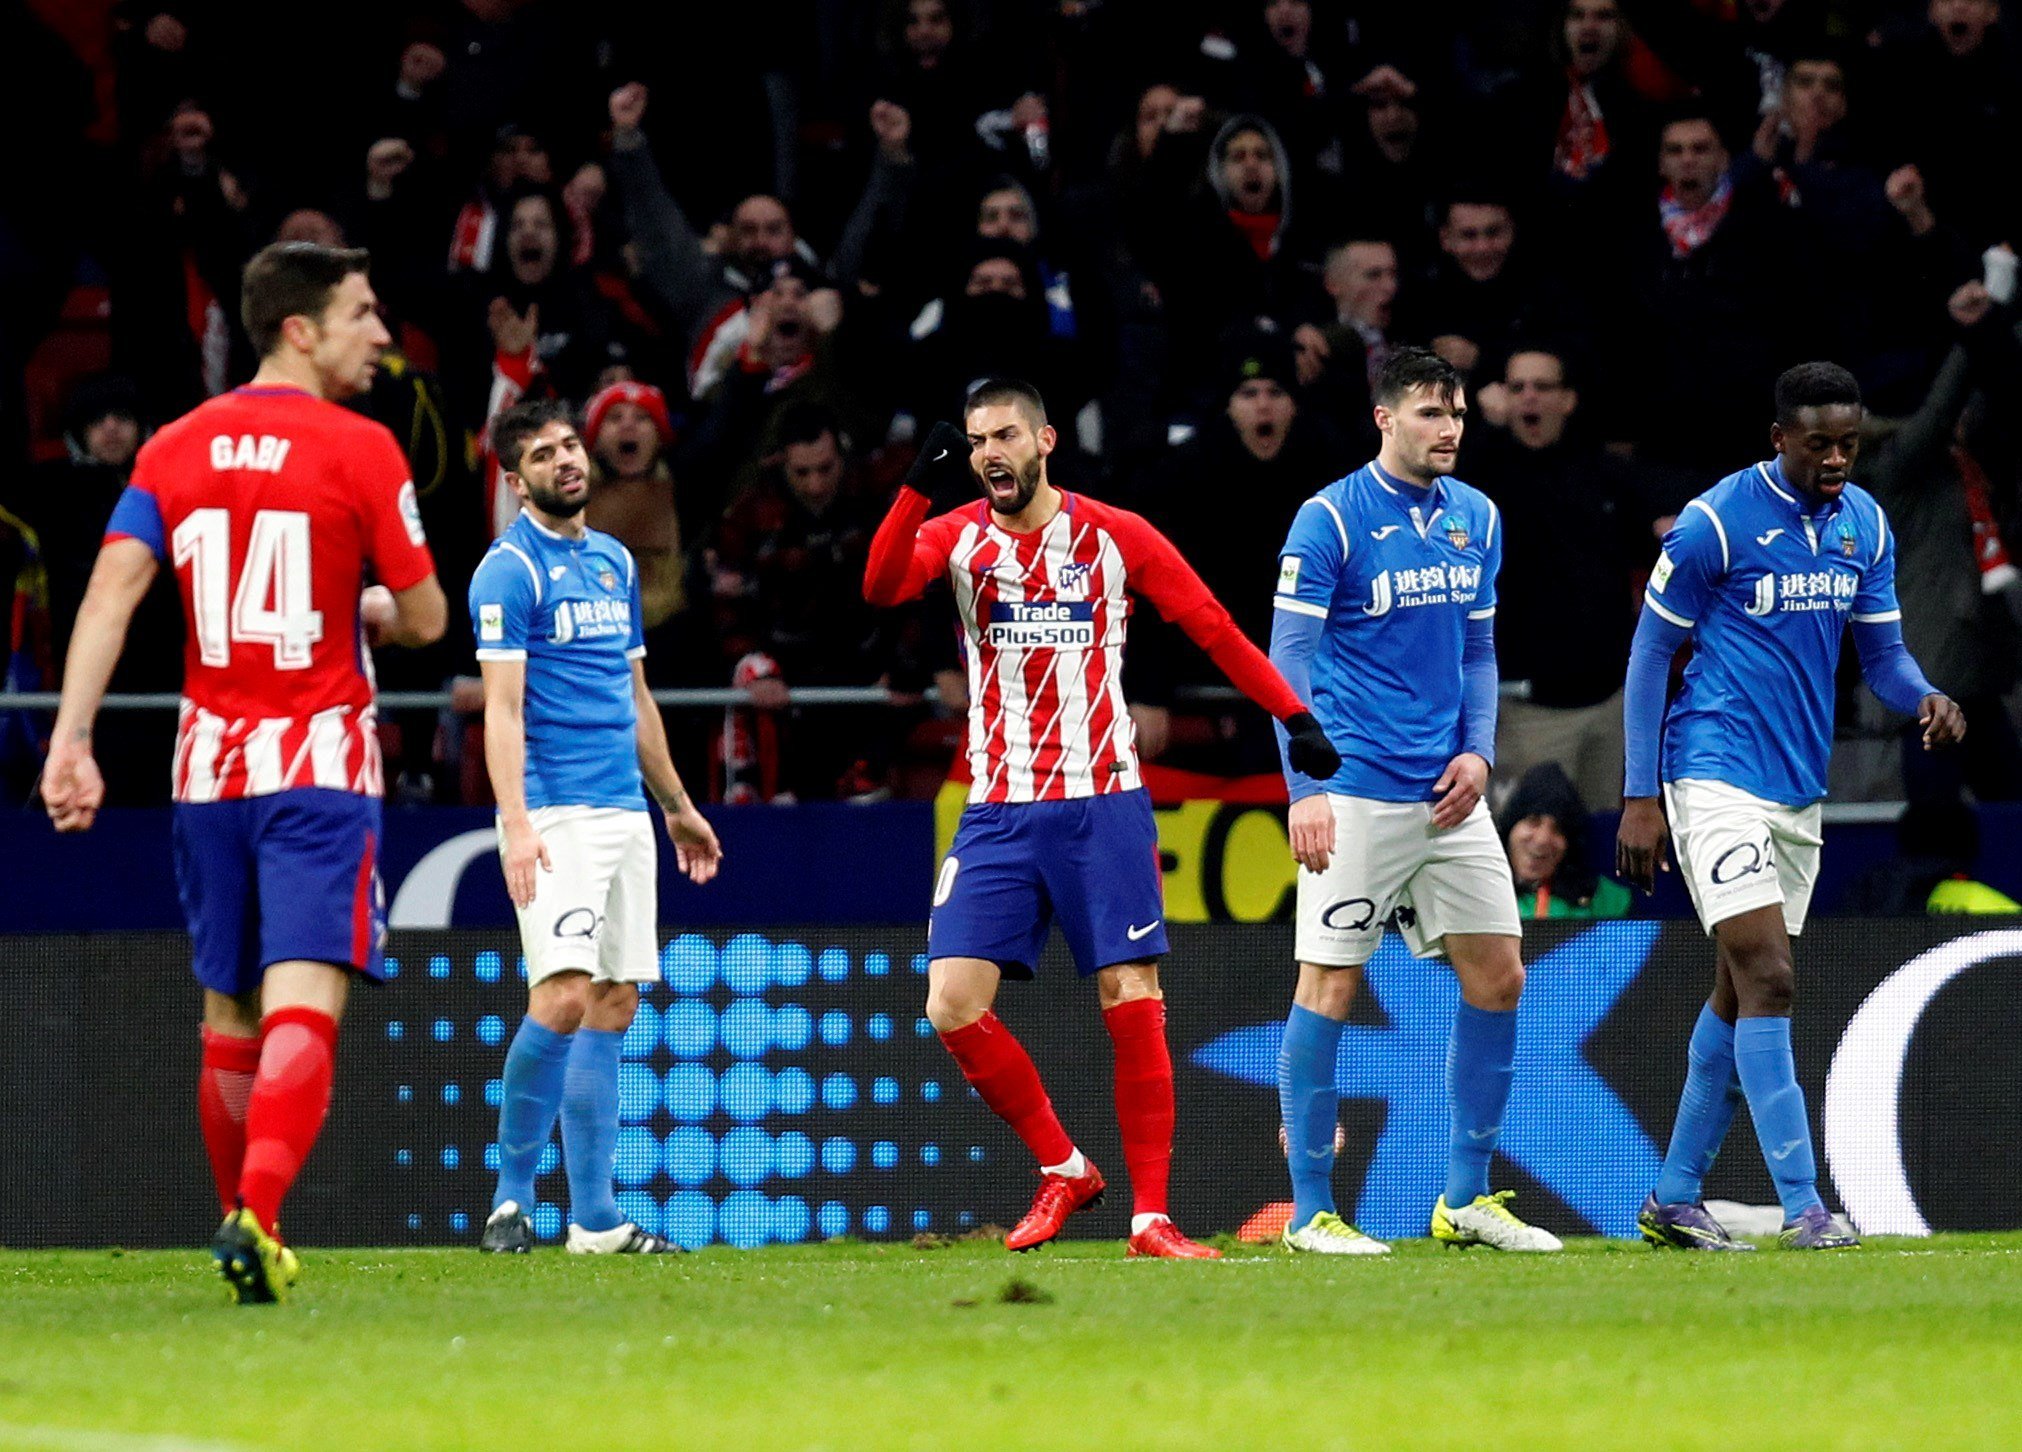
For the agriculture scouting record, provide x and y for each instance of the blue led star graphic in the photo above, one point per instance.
(1565, 1126)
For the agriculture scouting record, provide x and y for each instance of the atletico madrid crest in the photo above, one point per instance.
(1456, 530)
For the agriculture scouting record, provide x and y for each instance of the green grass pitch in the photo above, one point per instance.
(1910, 1344)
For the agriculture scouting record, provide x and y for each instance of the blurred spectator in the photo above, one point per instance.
(1578, 532)
(786, 577)
(1339, 362)
(1481, 296)
(1952, 98)
(518, 160)
(1232, 248)
(1717, 301)
(1545, 832)
(1938, 849)
(1957, 619)
(1226, 498)
(704, 291)
(995, 323)
(65, 505)
(628, 430)
(1393, 171)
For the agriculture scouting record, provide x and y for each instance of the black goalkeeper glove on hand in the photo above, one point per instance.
(1310, 752)
(941, 472)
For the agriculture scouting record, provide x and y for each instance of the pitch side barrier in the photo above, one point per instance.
(781, 1085)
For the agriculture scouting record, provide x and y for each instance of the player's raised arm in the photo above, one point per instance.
(72, 788)
(1694, 558)
(1159, 573)
(902, 563)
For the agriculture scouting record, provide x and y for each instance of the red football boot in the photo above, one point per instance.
(1162, 1238)
(1058, 1198)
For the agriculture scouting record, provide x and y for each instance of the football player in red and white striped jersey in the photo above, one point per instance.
(274, 506)
(1058, 825)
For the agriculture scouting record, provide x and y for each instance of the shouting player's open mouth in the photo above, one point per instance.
(1001, 483)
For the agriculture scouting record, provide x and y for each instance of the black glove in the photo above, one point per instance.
(941, 472)
(1310, 752)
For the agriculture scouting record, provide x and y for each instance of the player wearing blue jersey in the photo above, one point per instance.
(569, 731)
(1385, 622)
(1763, 573)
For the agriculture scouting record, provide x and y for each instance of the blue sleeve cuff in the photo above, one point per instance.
(1657, 640)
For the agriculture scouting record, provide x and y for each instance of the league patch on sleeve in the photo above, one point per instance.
(1288, 575)
(1661, 576)
(491, 623)
(410, 513)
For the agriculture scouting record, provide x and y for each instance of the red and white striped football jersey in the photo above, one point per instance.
(270, 505)
(1046, 615)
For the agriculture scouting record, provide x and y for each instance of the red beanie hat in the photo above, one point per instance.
(645, 395)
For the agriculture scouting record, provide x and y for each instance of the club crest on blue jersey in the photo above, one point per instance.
(1456, 530)
(608, 579)
(1848, 540)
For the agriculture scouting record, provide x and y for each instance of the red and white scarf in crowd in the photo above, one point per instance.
(1583, 131)
(1690, 228)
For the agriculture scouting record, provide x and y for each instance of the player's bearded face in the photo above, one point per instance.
(1426, 429)
(554, 472)
(1009, 471)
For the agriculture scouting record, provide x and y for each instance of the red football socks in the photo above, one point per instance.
(1003, 1073)
(1144, 1099)
(224, 1085)
(291, 1094)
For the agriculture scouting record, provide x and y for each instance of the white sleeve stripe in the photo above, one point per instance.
(1300, 607)
(1677, 620)
(637, 652)
(1481, 614)
(500, 653)
(1726, 557)
(1494, 515)
(1882, 544)
(1880, 617)
(1339, 523)
(532, 572)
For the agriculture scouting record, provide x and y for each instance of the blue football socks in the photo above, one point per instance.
(590, 1127)
(1705, 1109)
(1310, 1104)
(1769, 1079)
(1480, 1066)
(534, 1069)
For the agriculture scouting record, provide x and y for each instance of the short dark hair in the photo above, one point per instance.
(289, 280)
(993, 391)
(1409, 368)
(511, 429)
(1814, 385)
(805, 423)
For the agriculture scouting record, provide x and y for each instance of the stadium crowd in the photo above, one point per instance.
(763, 247)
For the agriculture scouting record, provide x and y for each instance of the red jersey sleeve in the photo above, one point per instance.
(395, 544)
(1157, 572)
(909, 551)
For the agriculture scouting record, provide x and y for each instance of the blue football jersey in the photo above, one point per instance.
(570, 609)
(1395, 572)
(1767, 581)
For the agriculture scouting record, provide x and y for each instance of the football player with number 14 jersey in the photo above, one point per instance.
(275, 507)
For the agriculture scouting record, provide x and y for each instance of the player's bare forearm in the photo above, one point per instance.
(656, 762)
(119, 581)
(505, 736)
(421, 615)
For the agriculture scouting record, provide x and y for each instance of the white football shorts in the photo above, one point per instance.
(1390, 862)
(596, 911)
(1738, 852)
